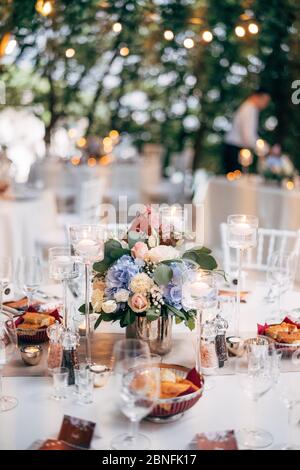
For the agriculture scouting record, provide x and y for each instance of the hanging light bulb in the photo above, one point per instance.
(124, 51)
(70, 53)
(44, 7)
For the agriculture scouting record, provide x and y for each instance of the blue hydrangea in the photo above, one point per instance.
(120, 274)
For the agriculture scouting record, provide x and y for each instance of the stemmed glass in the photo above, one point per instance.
(199, 292)
(5, 276)
(29, 275)
(138, 383)
(63, 267)
(241, 235)
(280, 276)
(8, 347)
(254, 371)
(87, 242)
(290, 397)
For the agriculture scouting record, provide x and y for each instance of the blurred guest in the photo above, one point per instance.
(244, 130)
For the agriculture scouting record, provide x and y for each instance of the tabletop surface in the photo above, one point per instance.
(223, 407)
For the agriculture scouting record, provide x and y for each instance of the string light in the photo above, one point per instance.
(290, 185)
(168, 35)
(44, 8)
(114, 135)
(117, 27)
(92, 161)
(230, 176)
(81, 142)
(75, 160)
(124, 51)
(188, 43)
(240, 31)
(207, 36)
(70, 52)
(237, 174)
(253, 28)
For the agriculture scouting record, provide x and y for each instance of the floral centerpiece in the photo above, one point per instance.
(140, 276)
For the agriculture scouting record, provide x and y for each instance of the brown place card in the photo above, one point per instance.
(55, 444)
(76, 432)
(224, 440)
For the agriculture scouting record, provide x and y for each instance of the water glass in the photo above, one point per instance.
(60, 377)
(84, 382)
(29, 276)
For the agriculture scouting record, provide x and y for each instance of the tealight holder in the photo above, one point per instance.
(100, 373)
(31, 355)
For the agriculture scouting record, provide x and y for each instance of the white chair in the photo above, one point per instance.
(201, 180)
(88, 205)
(268, 241)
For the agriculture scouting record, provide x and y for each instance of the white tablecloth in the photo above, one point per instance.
(19, 224)
(223, 407)
(275, 207)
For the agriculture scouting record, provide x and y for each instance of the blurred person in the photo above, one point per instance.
(244, 130)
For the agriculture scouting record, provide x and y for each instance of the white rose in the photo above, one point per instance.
(162, 253)
(122, 295)
(109, 306)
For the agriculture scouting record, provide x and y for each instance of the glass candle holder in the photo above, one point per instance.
(241, 235)
(63, 267)
(87, 242)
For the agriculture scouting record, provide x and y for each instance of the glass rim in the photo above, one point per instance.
(248, 218)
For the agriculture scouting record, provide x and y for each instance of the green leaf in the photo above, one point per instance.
(97, 322)
(152, 315)
(81, 309)
(204, 260)
(177, 313)
(162, 275)
(178, 320)
(134, 237)
(190, 323)
(109, 246)
(128, 318)
(102, 266)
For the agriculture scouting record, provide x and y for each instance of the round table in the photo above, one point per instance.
(222, 408)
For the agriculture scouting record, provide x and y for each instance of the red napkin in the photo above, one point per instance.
(194, 377)
(54, 314)
(261, 329)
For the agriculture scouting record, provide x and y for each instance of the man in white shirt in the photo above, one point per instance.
(244, 130)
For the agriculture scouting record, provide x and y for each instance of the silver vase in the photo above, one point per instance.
(157, 333)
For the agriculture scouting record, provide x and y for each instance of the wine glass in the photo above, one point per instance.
(29, 276)
(241, 235)
(5, 276)
(254, 372)
(288, 388)
(280, 276)
(87, 242)
(63, 267)
(138, 384)
(8, 347)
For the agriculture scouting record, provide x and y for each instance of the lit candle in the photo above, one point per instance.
(199, 289)
(101, 374)
(82, 329)
(241, 229)
(30, 350)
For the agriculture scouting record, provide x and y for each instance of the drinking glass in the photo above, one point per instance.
(241, 235)
(63, 267)
(5, 276)
(8, 348)
(138, 384)
(87, 242)
(29, 276)
(84, 381)
(288, 389)
(280, 276)
(254, 373)
(60, 377)
(199, 292)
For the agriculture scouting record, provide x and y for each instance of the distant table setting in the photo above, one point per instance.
(143, 328)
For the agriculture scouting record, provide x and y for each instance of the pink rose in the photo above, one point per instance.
(140, 250)
(138, 303)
